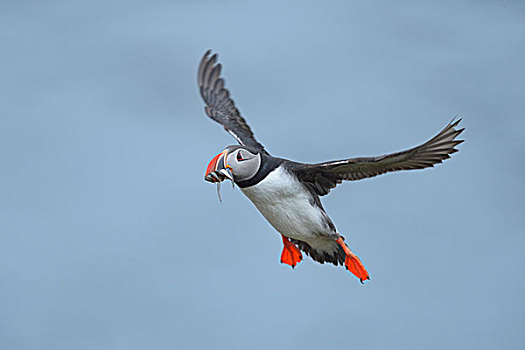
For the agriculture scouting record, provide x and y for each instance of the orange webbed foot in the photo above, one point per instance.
(353, 263)
(291, 255)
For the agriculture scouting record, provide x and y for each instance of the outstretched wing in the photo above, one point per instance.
(323, 177)
(219, 106)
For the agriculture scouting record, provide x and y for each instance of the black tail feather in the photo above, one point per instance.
(336, 258)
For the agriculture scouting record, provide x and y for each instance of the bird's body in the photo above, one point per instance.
(289, 207)
(293, 209)
(296, 213)
(287, 192)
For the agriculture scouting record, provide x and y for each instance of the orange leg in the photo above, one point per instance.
(353, 263)
(291, 255)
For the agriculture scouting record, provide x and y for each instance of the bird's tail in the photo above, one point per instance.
(326, 249)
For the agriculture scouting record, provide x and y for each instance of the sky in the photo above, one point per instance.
(111, 239)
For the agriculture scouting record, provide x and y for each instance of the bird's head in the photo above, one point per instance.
(236, 163)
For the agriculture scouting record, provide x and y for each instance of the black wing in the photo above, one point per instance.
(219, 106)
(323, 177)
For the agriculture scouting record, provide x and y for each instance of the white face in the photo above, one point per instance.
(244, 164)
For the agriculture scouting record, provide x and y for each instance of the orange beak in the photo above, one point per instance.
(218, 170)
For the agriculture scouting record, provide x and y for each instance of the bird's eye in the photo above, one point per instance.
(239, 157)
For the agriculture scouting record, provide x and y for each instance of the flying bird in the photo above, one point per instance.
(287, 192)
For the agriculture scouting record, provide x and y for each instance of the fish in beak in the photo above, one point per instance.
(218, 171)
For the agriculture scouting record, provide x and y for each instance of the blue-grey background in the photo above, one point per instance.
(111, 239)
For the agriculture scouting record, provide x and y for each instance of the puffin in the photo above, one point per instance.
(287, 193)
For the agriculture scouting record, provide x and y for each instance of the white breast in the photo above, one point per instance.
(286, 204)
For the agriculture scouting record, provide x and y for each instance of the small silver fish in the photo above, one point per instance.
(226, 173)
